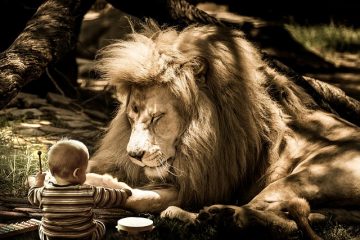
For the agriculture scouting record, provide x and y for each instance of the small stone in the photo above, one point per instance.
(29, 125)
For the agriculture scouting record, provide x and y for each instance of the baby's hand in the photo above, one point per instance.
(125, 194)
(39, 179)
(127, 191)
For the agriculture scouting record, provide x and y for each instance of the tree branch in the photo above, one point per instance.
(48, 36)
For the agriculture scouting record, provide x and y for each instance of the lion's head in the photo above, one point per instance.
(193, 112)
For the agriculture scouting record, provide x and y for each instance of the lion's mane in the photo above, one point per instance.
(233, 124)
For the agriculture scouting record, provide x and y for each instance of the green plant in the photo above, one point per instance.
(327, 38)
(18, 161)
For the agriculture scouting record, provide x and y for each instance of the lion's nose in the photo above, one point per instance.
(137, 154)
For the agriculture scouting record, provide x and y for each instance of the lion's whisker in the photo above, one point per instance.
(169, 167)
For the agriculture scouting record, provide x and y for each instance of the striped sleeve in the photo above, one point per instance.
(34, 195)
(106, 197)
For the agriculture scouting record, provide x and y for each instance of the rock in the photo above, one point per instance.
(86, 134)
(78, 117)
(97, 114)
(28, 100)
(58, 111)
(58, 99)
(29, 125)
(79, 124)
(34, 132)
(18, 101)
(29, 112)
(34, 102)
(98, 124)
(7, 111)
(55, 130)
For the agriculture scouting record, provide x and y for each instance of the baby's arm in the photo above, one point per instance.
(34, 195)
(107, 197)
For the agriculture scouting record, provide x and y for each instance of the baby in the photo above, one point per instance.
(67, 202)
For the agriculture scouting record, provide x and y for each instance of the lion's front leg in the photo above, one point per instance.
(174, 212)
(104, 180)
(152, 200)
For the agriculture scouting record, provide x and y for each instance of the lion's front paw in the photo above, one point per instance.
(221, 214)
(174, 212)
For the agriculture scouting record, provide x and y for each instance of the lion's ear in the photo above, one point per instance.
(199, 67)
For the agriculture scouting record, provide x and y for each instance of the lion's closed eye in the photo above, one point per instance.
(156, 118)
(158, 124)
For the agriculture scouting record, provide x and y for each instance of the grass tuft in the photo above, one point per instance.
(18, 160)
(327, 39)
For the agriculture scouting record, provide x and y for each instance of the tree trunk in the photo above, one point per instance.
(173, 12)
(50, 34)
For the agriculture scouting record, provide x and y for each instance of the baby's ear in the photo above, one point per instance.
(76, 173)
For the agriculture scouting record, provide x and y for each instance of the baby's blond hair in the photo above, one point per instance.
(65, 156)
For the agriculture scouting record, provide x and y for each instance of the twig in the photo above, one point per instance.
(40, 166)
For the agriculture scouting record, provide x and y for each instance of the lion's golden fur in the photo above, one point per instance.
(234, 127)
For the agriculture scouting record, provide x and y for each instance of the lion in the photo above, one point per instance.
(206, 123)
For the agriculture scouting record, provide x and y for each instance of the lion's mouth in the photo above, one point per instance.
(154, 167)
(154, 173)
(152, 160)
(149, 164)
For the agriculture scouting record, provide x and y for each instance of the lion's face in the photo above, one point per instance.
(155, 127)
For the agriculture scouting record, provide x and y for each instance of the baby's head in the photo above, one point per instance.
(68, 160)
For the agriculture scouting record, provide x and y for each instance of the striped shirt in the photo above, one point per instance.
(67, 210)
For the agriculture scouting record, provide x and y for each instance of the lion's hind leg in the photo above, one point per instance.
(299, 210)
(245, 217)
(281, 219)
